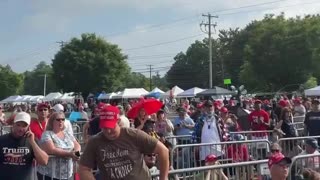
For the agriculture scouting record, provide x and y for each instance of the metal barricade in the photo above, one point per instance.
(293, 146)
(59, 169)
(77, 132)
(178, 140)
(299, 163)
(5, 129)
(297, 119)
(235, 171)
(254, 135)
(193, 155)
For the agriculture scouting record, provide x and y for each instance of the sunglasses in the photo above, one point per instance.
(43, 110)
(60, 119)
(151, 155)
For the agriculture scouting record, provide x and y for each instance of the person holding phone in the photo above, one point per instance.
(18, 149)
(65, 148)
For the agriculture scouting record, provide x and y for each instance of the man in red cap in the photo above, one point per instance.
(279, 166)
(259, 121)
(38, 125)
(118, 152)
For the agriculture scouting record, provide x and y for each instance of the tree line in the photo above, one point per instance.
(265, 56)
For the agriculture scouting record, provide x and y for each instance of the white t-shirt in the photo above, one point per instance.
(299, 110)
(68, 127)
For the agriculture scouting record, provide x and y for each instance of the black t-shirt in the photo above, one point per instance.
(16, 156)
(312, 122)
(94, 127)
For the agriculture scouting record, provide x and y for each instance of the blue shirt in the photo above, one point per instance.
(183, 130)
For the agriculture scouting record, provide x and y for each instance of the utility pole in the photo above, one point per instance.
(208, 26)
(61, 43)
(44, 84)
(150, 70)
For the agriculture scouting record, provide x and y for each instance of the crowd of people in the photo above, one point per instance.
(116, 146)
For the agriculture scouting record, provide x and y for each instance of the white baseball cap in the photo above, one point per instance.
(22, 117)
(58, 108)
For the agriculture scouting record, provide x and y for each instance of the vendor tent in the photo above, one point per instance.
(52, 96)
(173, 92)
(106, 96)
(313, 91)
(36, 99)
(191, 92)
(215, 91)
(66, 97)
(155, 90)
(11, 99)
(131, 93)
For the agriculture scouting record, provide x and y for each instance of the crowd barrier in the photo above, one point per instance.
(193, 155)
(299, 163)
(236, 171)
(5, 129)
(293, 146)
(60, 169)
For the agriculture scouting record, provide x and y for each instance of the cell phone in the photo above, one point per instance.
(26, 132)
(77, 153)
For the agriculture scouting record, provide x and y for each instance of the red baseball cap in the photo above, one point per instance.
(224, 110)
(109, 116)
(211, 158)
(277, 158)
(283, 103)
(43, 105)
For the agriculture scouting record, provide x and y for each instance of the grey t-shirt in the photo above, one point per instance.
(121, 158)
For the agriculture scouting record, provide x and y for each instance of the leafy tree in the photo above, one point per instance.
(90, 64)
(11, 83)
(34, 80)
(137, 80)
(191, 69)
(277, 53)
(310, 83)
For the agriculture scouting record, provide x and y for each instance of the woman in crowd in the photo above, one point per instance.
(56, 141)
(140, 119)
(164, 126)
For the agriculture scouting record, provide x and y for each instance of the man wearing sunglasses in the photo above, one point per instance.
(38, 125)
(279, 166)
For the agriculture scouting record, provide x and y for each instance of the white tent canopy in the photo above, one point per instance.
(131, 93)
(67, 97)
(155, 90)
(106, 96)
(11, 99)
(52, 96)
(313, 91)
(25, 98)
(190, 92)
(35, 99)
(173, 92)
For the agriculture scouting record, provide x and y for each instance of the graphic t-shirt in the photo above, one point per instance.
(121, 158)
(16, 156)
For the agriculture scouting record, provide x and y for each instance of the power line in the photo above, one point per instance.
(280, 7)
(163, 43)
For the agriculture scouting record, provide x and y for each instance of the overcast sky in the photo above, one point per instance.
(148, 31)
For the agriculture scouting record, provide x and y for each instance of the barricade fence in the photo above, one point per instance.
(193, 155)
(293, 146)
(5, 130)
(235, 171)
(299, 163)
(57, 168)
